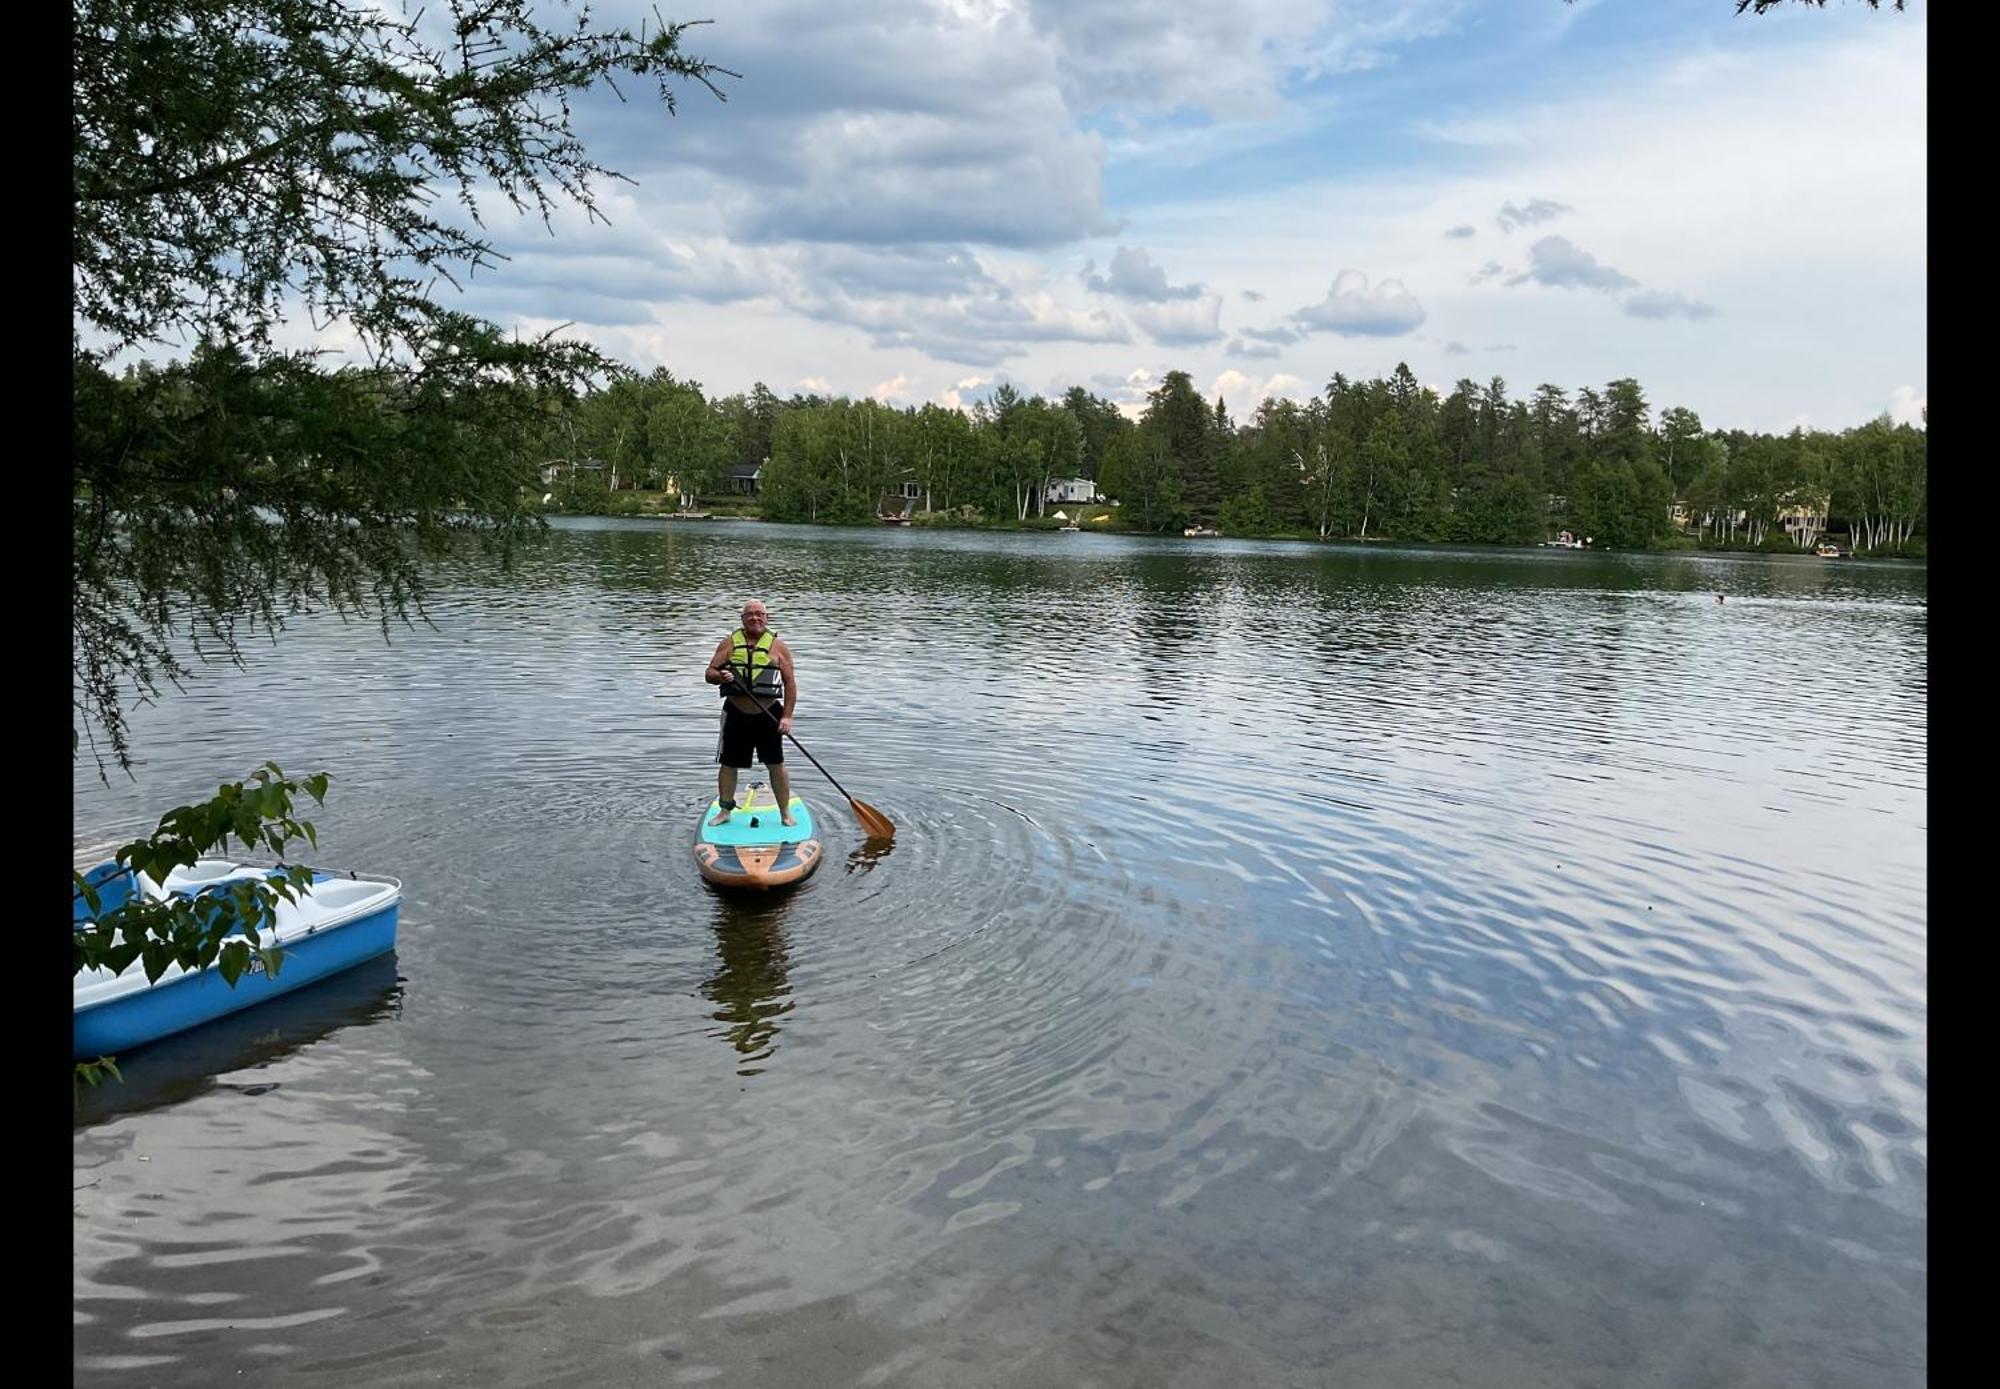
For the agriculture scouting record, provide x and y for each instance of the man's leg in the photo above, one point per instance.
(725, 791)
(781, 782)
(727, 750)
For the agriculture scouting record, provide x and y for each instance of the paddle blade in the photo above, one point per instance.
(874, 822)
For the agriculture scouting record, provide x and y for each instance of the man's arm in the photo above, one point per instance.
(784, 655)
(718, 672)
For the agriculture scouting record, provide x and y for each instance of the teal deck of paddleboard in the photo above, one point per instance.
(739, 833)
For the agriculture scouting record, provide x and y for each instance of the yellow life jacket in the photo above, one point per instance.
(754, 667)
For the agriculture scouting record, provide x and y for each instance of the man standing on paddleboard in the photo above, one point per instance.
(754, 668)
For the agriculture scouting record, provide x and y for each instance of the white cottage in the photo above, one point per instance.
(1072, 489)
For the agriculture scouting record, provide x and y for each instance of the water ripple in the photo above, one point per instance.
(1287, 957)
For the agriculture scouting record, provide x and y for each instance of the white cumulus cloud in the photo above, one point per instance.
(1180, 325)
(1132, 275)
(1560, 263)
(1534, 210)
(1243, 393)
(1353, 309)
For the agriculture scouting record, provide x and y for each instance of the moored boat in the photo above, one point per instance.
(338, 922)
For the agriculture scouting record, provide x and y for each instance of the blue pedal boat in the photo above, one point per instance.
(337, 923)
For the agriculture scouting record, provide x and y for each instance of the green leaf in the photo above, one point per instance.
(93, 1072)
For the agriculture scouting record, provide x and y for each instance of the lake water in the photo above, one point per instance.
(1296, 966)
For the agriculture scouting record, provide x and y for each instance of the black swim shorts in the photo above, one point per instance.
(742, 732)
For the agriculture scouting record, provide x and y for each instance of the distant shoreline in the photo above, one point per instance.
(1050, 526)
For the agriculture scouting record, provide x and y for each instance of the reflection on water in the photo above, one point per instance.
(214, 1056)
(750, 987)
(1294, 965)
(870, 853)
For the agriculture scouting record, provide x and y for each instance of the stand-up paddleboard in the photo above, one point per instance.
(754, 848)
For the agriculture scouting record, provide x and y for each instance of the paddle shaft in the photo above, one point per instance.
(795, 742)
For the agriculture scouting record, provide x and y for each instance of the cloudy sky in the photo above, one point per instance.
(915, 199)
